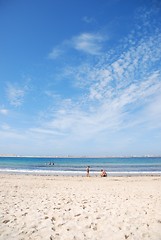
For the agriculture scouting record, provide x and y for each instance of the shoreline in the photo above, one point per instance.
(76, 176)
(77, 173)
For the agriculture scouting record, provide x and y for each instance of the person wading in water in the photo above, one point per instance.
(87, 169)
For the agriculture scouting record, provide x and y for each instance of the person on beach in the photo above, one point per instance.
(103, 173)
(87, 169)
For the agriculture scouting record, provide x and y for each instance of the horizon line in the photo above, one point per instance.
(79, 156)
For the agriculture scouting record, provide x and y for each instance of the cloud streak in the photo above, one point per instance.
(88, 43)
(15, 94)
(88, 20)
(4, 111)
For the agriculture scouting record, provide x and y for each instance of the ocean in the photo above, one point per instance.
(77, 166)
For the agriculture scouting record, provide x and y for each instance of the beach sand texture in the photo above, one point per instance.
(48, 207)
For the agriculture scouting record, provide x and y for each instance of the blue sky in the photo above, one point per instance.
(80, 77)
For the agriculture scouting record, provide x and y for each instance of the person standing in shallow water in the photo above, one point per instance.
(87, 169)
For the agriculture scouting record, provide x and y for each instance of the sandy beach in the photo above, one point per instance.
(61, 207)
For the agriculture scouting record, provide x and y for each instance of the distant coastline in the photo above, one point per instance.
(70, 156)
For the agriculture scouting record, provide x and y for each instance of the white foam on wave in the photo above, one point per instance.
(78, 173)
(52, 172)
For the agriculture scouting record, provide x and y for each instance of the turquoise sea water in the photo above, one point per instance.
(77, 166)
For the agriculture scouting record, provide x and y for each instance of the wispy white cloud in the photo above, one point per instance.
(132, 65)
(56, 52)
(88, 19)
(5, 126)
(152, 112)
(89, 43)
(4, 111)
(115, 112)
(111, 113)
(15, 94)
(45, 131)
